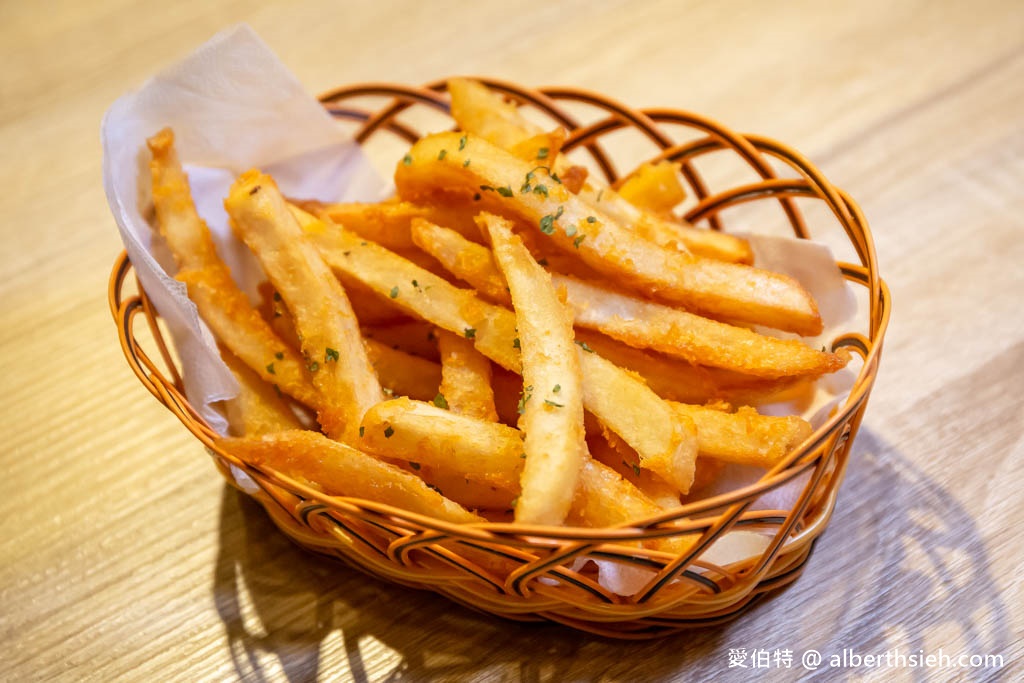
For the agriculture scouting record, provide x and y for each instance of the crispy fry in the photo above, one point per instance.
(653, 187)
(404, 374)
(423, 433)
(478, 110)
(492, 453)
(744, 437)
(509, 186)
(222, 305)
(257, 409)
(553, 386)
(340, 470)
(465, 378)
(640, 417)
(636, 322)
(327, 327)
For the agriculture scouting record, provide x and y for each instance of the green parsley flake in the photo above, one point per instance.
(542, 153)
(591, 219)
(541, 189)
(469, 332)
(394, 292)
(415, 284)
(553, 404)
(442, 154)
(414, 465)
(279, 355)
(388, 432)
(583, 345)
(465, 163)
(576, 242)
(515, 343)
(362, 430)
(270, 369)
(330, 355)
(407, 160)
(636, 469)
(505, 191)
(313, 366)
(555, 389)
(440, 401)
(462, 143)
(547, 224)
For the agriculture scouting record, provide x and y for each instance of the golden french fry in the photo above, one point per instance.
(641, 418)
(490, 454)
(327, 327)
(552, 418)
(744, 437)
(639, 323)
(258, 408)
(220, 302)
(403, 374)
(470, 262)
(477, 109)
(386, 223)
(340, 470)
(425, 434)
(613, 452)
(653, 187)
(509, 186)
(465, 378)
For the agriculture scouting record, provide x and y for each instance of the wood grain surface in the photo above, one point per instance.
(123, 556)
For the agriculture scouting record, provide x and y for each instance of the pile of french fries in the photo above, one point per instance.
(504, 340)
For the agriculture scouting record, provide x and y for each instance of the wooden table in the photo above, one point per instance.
(123, 556)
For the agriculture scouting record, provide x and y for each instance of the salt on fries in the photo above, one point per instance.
(597, 361)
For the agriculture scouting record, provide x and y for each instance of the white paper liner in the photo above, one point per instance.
(233, 105)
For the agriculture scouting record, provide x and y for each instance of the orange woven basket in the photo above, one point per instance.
(540, 573)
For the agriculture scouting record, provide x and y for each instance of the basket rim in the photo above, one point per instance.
(731, 504)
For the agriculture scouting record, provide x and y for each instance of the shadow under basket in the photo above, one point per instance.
(542, 573)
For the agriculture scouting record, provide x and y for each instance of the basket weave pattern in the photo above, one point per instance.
(535, 573)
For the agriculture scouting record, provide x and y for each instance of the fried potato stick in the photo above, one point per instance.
(638, 323)
(329, 332)
(479, 111)
(257, 409)
(552, 416)
(219, 300)
(620, 400)
(465, 378)
(509, 186)
(744, 437)
(340, 470)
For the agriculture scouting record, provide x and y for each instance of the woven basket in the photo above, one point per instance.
(535, 573)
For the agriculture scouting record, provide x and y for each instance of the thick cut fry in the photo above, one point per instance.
(479, 111)
(423, 433)
(220, 302)
(404, 374)
(654, 187)
(465, 378)
(327, 327)
(386, 223)
(482, 112)
(339, 470)
(553, 386)
(432, 437)
(636, 322)
(509, 185)
(744, 437)
(609, 449)
(257, 409)
(639, 416)
(678, 380)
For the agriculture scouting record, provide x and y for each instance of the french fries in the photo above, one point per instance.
(552, 415)
(222, 305)
(327, 327)
(623, 375)
(465, 378)
(508, 185)
(340, 470)
(641, 324)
